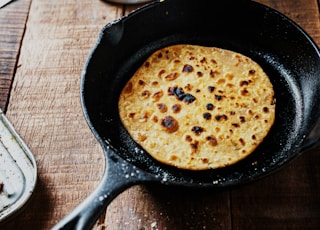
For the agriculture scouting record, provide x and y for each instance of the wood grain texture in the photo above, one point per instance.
(159, 207)
(288, 199)
(12, 26)
(45, 105)
(45, 109)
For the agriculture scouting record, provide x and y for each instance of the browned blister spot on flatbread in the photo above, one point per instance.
(176, 108)
(170, 124)
(171, 76)
(162, 107)
(157, 95)
(198, 108)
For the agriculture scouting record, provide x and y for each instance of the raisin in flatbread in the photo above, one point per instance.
(198, 108)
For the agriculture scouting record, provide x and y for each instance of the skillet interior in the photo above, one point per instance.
(284, 51)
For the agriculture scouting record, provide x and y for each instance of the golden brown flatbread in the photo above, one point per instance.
(198, 108)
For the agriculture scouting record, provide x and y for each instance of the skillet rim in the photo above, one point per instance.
(146, 7)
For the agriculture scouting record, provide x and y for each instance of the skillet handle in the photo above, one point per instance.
(119, 175)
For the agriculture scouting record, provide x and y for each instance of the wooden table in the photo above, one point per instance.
(43, 47)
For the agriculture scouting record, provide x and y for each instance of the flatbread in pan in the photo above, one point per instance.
(198, 108)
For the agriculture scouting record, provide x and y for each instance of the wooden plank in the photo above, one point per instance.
(12, 25)
(45, 109)
(160, 207)
(45, 106)
(290, 198)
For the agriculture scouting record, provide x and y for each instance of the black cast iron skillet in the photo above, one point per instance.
(282, 48)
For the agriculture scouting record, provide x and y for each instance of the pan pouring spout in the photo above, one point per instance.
(113, 33)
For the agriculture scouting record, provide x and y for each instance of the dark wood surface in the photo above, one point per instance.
(43, 46)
